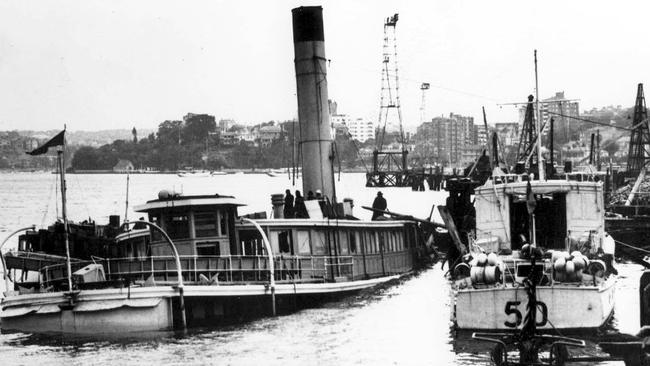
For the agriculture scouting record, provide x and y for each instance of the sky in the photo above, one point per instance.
(95, 65)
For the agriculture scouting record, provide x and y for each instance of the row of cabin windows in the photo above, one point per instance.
(177, 225)
(314, 242)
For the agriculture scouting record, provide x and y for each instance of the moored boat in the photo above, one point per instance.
(564, 221)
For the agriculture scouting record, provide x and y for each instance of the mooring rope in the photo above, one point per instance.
(632, 246)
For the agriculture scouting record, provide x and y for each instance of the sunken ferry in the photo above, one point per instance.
(195, 260)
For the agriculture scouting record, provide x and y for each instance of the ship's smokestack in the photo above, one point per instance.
(313, 110)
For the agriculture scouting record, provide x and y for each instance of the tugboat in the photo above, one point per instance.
(576, 277)
(513, 215)
(196, 261)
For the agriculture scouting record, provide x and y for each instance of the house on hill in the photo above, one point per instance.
(123, 166)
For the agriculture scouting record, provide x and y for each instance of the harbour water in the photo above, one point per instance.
(406, 323)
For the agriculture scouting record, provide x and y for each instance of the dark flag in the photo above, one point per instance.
(57, 140)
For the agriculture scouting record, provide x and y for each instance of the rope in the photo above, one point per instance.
(598, 123)
(49, 199)
(632, 247)
(551, 323)
(56, 191)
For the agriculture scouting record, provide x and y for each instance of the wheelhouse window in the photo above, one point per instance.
(155, 218)
(205, 224)
(223, 222)
(177, 225)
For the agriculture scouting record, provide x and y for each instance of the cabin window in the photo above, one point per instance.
(365, 241)
(205, 224)
(343, 242)
(398, 240)
(318, 242)
(208, 248)
(388, 240)
(177, 226)
(251, 242)
(22, 245)
(285, 242)
(382, 241)
(303, 242)
(223, 222)
(155, 219)
(353, 242)
(371, 242)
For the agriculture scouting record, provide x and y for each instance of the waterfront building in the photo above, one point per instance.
(446, 137)
(268, 134)
(359, 128)
(123, 166)
(225, 124)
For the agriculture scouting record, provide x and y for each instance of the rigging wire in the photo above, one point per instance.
(53, 189)
(56, 190)
(319, 109)
(597, 122)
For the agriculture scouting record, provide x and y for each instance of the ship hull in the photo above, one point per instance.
(145, 309)
(569, 306)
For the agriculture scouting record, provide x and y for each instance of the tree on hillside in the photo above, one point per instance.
(169, 132)
(197, 127)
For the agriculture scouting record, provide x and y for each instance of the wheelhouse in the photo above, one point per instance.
(198, 225)
(566, 211)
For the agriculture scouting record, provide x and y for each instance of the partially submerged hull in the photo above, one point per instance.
(569, 306)
(143, 309)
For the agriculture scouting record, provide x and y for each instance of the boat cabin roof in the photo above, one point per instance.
(329, 223)
(180, 201)
(538, 187)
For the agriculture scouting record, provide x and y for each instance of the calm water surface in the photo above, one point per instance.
(406, 323)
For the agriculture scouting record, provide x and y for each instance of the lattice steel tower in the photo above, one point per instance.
(528, 136)
(424, 87)
(639, 154)
(389, 168)
(390, 111)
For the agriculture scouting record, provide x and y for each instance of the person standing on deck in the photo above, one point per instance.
(380, 204)
(288, 205)
(300, 208)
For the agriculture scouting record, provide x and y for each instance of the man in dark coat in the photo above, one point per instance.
(299, 208)
(380, 204)
(288, 205)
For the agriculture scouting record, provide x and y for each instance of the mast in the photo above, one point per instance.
(316, 144)
(61, 158)
(540, 163)
(126, 204)
(487, 137)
